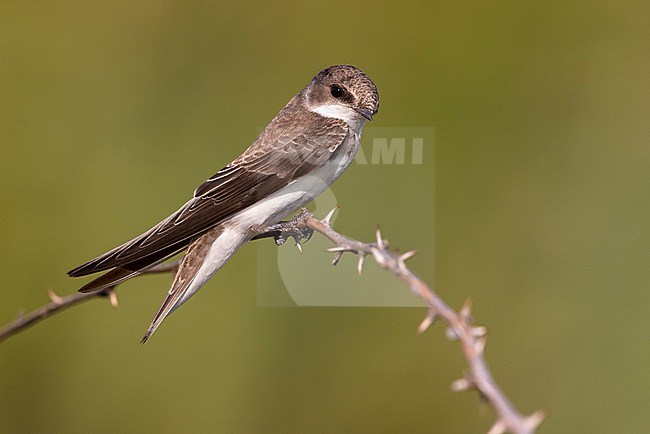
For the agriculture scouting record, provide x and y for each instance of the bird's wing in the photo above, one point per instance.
(265, 167)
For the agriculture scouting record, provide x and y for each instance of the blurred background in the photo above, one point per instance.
(112, 113)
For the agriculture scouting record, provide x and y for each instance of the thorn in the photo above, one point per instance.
(427, 322)
(337, 258)
(299, 247)
(408, 255)
(328, 218)
(466, 310)
(362, 257)
(112, 296)
(380, 240)
(461, 385)
(53, 297)
(479, 332)
(535, 419)
(499, 427)
(337, 249)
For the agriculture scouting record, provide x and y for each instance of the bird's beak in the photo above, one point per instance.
(366, 113)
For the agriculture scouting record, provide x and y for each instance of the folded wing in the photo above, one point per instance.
(285, 151)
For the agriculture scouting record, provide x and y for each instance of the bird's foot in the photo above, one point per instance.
(282, 231)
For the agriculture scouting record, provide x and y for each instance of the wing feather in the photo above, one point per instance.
(287, 148)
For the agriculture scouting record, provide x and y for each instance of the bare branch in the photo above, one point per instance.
(459, 324)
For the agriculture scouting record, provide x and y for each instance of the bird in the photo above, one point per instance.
(304, 148)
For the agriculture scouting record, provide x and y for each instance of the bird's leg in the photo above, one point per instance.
(282, 231)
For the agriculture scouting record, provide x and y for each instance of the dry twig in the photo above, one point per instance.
(58, 304)
(472, 339)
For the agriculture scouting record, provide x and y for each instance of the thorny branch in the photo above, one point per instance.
(472, 338)
(58, 303)
(460, 324)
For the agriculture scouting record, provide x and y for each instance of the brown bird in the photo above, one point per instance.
(305, 148)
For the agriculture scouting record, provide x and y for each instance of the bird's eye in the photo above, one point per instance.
(336, 91)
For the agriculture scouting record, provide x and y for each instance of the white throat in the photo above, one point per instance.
(353, 119)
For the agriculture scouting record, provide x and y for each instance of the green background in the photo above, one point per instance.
(111, 113)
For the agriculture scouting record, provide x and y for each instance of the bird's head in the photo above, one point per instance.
(343, 92)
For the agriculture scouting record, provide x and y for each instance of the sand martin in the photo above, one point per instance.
(305, 148)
